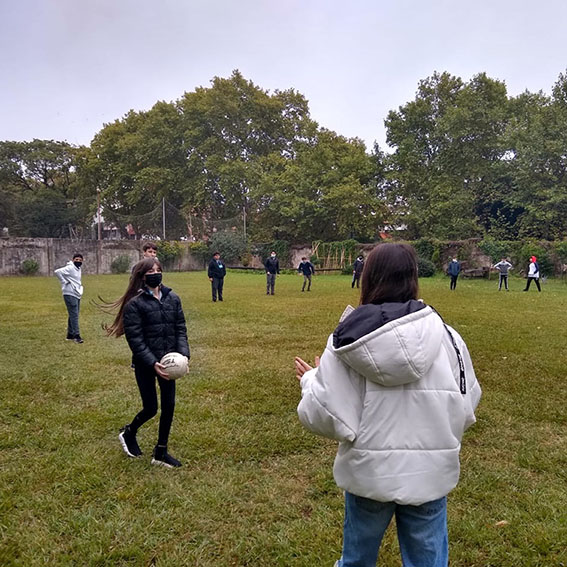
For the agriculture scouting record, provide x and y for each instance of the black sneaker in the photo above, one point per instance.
(70, 338)
(78, 339)
(163, 458)
(128, 442)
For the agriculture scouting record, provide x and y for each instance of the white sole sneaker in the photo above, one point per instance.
(125, 447)
(161, 463)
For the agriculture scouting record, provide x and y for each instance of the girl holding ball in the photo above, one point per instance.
(151, 317)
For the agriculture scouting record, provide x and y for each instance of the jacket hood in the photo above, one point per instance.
(391, 343)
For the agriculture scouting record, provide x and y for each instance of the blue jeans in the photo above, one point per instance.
(422, 532)
(73, 305)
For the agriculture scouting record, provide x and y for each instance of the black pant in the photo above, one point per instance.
(146, 379)
(216, 285)
(529, 282)
(356, 278)
(454, 281)
(270, 282)
(503, 280)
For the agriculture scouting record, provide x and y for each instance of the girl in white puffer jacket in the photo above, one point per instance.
(396, 387)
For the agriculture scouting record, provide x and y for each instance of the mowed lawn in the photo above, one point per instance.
(256, 489)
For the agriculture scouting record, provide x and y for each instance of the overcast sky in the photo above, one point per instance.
(67, 67)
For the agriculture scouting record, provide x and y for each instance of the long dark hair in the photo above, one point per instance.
(389, 274)
(135, 287)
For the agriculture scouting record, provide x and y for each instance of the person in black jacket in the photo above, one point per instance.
(216, 273)
(357, 268)
(272, 266)
(151, 317)
(307, 269)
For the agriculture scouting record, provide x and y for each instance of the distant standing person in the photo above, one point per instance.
(149, 250)
(503, 267)
(533, 274)
(454, 270)
(272, 266)
(357, 268)
(307, 269)
(216, 272)
(72, 287)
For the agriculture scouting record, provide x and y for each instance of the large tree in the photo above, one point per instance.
(39, 186)
(447, 151)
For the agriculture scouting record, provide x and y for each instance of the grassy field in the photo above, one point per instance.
(256, 489)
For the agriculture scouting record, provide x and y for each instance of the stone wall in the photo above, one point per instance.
(52, 253)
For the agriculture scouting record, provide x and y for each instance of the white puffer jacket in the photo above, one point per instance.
(392, 397)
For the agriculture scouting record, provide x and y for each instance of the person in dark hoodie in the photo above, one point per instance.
(272, 267)
(216, 273)
(454, 270)
(308, 270)
(151, 317)
(357, 268)
(396, 388)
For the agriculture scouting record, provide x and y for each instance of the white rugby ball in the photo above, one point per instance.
(175, 365)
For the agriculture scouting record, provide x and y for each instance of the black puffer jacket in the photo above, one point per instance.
(155, 327)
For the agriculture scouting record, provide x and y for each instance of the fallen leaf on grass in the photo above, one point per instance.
(501, 523)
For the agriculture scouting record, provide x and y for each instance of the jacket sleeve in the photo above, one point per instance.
(331, 399)
(277, 266)
(209, 272)
(62, 274)
(135, 335)
(181, 331)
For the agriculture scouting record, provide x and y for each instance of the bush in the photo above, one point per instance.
(425, 268)
(29, 267)
(120, 264)
(495, 249)
(280, 247)
(200, 250)
(168, 252)
(231, 245)
(531, 248)
(561, 251)
(424, 248)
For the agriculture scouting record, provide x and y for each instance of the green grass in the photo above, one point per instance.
(256, 489)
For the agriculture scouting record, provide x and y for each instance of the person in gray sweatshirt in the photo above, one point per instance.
(72, 287)
(503, 267)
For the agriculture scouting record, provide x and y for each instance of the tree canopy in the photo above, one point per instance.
(464, 160)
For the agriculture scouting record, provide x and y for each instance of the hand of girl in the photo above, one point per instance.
(160, 370)
(301, 367)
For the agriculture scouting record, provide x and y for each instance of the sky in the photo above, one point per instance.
(68, 67)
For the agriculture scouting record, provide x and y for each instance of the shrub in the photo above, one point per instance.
(231, 245)
(531, 248)
(168, 252)
(495, 249)
(561, 251)
(425, 268)
(29, 267)
(200, 250)
(120, 264)
(280, 247)
(424, 248)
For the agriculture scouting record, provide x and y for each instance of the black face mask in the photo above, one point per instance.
(78, 264)
(153, 280)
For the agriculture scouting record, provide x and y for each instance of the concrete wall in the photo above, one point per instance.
(52, 253)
